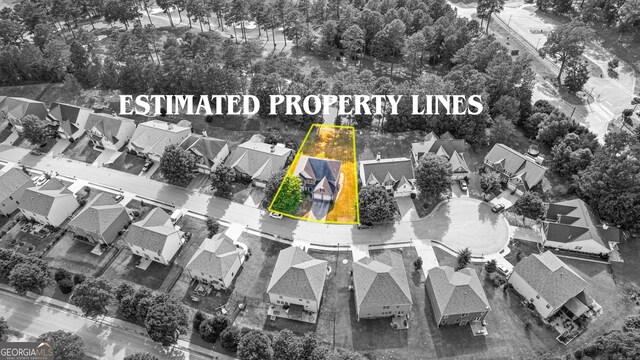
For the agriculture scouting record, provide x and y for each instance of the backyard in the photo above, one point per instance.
(75, 256)
(82, 150)
(124, 267)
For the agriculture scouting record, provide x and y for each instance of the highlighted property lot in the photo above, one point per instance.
(321, 184)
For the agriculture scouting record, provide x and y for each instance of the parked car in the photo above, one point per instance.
(147, 166)
(497, 208)
(35, 152)
(118, 197)
(275, 215)
(463, 185)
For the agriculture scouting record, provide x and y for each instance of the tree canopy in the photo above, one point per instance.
(433, 176)
(376, 205)
(93, 297)
(177, 165)
(66, 345)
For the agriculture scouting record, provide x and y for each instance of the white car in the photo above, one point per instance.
(275, 215)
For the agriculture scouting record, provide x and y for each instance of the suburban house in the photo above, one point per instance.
(109, 131)
(16, 108)
(457, 297)
(257, 161)
(381, 286)
(209, 152)
(551, 285)
(395, 175)
(573, 226)
(320, 177)
(296, 285)
(520, 172)
(70, 118)
(154, 238)
(216, 261)
(152, 137)
(13, 183)
(447, 146)
(100, 220)
(49, 204)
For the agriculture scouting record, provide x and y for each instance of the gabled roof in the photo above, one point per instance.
(151, 233)
(551, 278)
(153, 136)
(325, 172)
(259, 160)
(18, 108)
(574, 220)
(457, 292)
(517, 164)
(381, 281)
(215, 256)
(446, 146)
(107, 125)
(382, 170)
(40, 200)
(99, 214)
(298, 275)
(11, 181)
(203, 146)
(71, 118)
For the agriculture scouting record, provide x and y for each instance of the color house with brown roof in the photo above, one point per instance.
(381, 286)
(70, 118)
(297, 283)
(257, 161)
(395, 175)
(320, 177)
(573, 226)
(209, 152)
(446, 146)
(152, 137)
(13, 184)
(550, 285)
(49, 204)
(109, 131)
(15, 109)
(216, 262)
(154, 237)
(520, 172)
(457, 297)
(100, 220)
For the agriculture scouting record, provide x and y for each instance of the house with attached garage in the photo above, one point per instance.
(519, 171)
(381, 287)
(13, 184)
(71, 119)
(216, 262)
(320, 177)
(154, 238)
(296, 285)
(257, 161)
(49, 204)
(15, 109)
(209, 152)
(109, 132)
(395, 175)
(551, 286)
(456, 297)
(446, 146)
(152, 137)
(573, 226)
(100, 220)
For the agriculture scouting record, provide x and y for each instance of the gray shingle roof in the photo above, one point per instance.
(259, 160)
(203, 146)
(11, 181)
(298, 275)
(574, 220)
(324, 172)
(153, 136)
(215, 256)
(554, 280)
(445, 145)
(151, 233)
(18, 108)
(100, 214)
(378, 171)
(39, 200)
(457, 292)
(516, 164)
(381, 281)
(106, 125)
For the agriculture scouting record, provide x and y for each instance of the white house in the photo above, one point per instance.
(152, 137)
(209, 152)
(154, 238)
(70, 118)
(395, 175)
(216, 262)
(50, 204)
(13, 184)
(109, 131)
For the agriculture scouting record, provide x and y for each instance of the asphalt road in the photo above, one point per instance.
(102, 341)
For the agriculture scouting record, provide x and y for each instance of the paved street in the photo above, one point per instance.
(102, 341)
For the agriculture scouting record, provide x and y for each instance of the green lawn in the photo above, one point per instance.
(82, 150)
(123, 268)
(75, 256)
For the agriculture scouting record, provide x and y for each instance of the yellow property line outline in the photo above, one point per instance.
(355, 166)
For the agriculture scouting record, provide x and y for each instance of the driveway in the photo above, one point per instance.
(505, 198)
(319, 209)
(407, 209)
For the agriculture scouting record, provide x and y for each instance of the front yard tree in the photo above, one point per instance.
(290, 195)
(93, 297)
(123, 290)
(140, 356)
(229, 338)
(165, 319)
(376, 205)
(255, 345)
(212, 226)
(530, 205)
(66, 345)
(36, 130)
(286, 345)
(486, 8)
(577, 75)
(491, 266)
(464, 259)
(28, 277)
(211, 328)
(567, 42)
(221, 179)
(272, 186)
(177, 165)
(490, 181)
(433, 176)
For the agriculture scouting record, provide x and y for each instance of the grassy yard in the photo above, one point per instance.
(82, 150)
(128, 163)
(75, 256)
(25, 242)
(124, 268)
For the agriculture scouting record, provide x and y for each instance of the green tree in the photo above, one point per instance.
(530, 205)
(4, 328)
(570, 156)
(221, 180)
(71, 85)
(229, 338)
(433, 176)
(353, 41)
(615, 344)
(490, 181)
(66, 345)
(376, 205)
(121, 11)
(631, 323)
(213, 226)
(294, 26)
(28, 277)
(123, 290)
(36, 130)
(286, 345)
(290, 195)
(389, 41)
(177, 165)
(165, 319)
(555, 126)
(491, 266)
(503, 131)
(93, 297)
(464, 259)
(567, 42)
(166, 6)
(486, 8)
(140, 356)
(272, 186)
(531, 123)
(577, 75)
(255, 345)
(211, 328)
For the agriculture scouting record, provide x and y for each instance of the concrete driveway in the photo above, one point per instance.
(407, 209)
(505, 198)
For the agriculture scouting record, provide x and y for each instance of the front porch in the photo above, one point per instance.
(293, 312)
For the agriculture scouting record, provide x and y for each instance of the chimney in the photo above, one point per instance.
(378, 157)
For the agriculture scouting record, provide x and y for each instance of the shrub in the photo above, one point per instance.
(207, 332)
(208, 118)
(66, 285)
(198, 318)
(417, 264)
(163, 111)
(78, 278)
(61, 274)
(632, 323)
(499, 281)
(230, 338)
